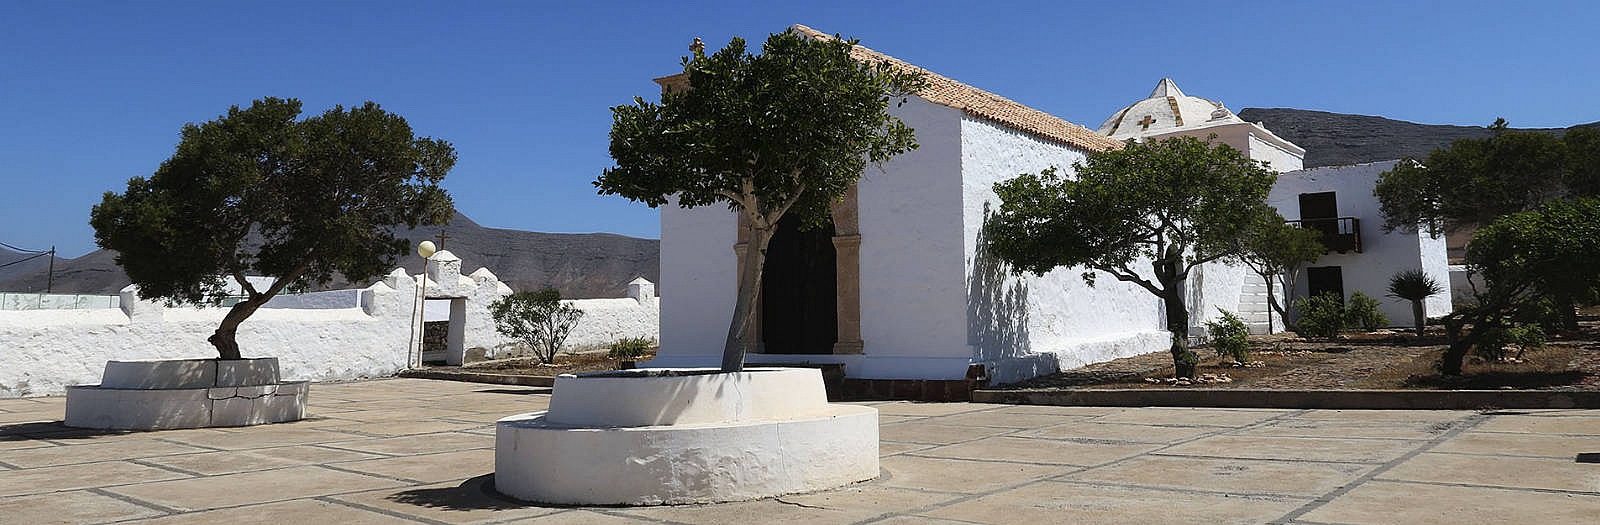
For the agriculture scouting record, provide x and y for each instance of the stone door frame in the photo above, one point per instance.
(847, 277)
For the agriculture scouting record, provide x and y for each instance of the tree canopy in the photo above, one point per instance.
(257, 192)
(1173, 204)
(1276, 250)
(788, 130)
(1474, 181)
(1526, 257)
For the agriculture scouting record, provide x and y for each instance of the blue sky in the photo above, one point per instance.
(94, 93)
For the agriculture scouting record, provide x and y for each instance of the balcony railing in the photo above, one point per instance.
(1342, 234)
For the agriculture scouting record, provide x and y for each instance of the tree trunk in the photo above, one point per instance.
(1272, 304)
(1569, 312)
(755, 257)
(224, 338)
(1450, 362)
(1416, 314)
(1183, 359)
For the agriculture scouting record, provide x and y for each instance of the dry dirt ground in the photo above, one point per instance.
(1387, 359)
(564, 364)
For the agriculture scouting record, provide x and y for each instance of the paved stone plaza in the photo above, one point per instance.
(417, 450)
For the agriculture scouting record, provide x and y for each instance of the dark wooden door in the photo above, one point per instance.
(799, 310)
(1324, 279)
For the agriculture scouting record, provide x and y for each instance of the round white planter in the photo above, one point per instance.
(651, 437)
(186, 393)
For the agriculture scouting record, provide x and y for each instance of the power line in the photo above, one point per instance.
(16, 249)
(26, 259)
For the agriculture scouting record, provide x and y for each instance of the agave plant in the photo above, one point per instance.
(1414, 286)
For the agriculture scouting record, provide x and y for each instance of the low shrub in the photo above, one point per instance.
(1320, 316)
(629, 348)
(1362, 312)
(1229, 336)
(1498, 340)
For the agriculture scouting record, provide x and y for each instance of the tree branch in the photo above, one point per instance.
(1127, 275)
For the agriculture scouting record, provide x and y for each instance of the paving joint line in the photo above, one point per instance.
(974, 496)
(136, 501)
(1280, 460)
(408, 481)
(1497, 487)
(386, 512)
(165, 467)
(1461, 427)
(1275, 496)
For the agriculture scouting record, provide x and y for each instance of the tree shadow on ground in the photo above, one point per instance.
(1496, 380)
(516, 391)
(473, 494)
(54, 430)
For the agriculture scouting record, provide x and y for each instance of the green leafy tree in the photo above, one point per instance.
(1475, 181)
(1172, 204)
(1415, 286)
(786, 131)
(1276, 252)
(258, 192)
(1524, 258)
(537, 319)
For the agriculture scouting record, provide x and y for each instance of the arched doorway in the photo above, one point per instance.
(799, 312)
(846, 281)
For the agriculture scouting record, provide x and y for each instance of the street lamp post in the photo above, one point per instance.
(419, 321)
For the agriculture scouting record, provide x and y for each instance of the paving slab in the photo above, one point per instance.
(1050, 502)
(956, 475)
(418, 450)
(252, 487)
(1520, 444)
(70, 508)
(1381, 502)
(1047, 451)
(1509, 472)
(82, 476)
(300, 511)
(1295, 448)
(1242, 476)
(455, 502)
(1119, 432)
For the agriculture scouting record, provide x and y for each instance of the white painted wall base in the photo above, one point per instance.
(685, 439)
(186, 393)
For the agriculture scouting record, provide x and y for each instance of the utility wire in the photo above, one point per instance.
(20, 261)
(14, 248)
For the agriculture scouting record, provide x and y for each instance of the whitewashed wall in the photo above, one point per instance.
(315, 339)
(1383, 254)
(1023, 326)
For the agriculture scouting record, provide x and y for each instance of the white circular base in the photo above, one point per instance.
(673, 464)
(186, 393)
(695, 438)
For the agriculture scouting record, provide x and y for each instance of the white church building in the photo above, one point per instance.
(900, 288)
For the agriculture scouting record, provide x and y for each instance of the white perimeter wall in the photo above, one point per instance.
(1057, 319)
(1383, 254)
(314, 338)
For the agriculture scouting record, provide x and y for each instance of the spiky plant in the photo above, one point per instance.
(1414, 286)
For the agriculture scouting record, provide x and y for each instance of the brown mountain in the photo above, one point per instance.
(1337, 139)
(580, 265)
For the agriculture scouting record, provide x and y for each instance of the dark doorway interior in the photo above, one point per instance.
(1324, 279)
(799, 314)
(1322, 205)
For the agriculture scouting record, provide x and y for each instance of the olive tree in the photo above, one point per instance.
(786, 131)
(1276, 252)
(1523, 258)
(1172, 204)
(258, 192)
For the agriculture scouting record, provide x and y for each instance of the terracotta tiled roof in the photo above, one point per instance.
(947, 92)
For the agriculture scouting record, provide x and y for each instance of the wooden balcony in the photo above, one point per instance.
(1341, 234)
